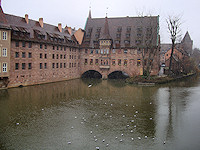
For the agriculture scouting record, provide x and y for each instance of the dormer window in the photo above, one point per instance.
(119, 29)
(128, 29)
(99, 29)
(128, 35)
(118, 35)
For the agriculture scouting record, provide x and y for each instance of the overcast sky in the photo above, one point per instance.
(75, 12)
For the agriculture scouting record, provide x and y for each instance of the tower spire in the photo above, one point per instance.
(90, 14)
(106, 34)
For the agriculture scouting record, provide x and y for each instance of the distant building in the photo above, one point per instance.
(186, 45)
(33, 52)
(118, 44)
(5, 43)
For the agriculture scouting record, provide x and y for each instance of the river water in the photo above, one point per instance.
(110, 115)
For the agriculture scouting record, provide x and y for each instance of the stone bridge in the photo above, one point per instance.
(106, 70)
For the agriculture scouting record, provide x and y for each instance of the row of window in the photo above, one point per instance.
(3, 35)
(23, 66)
(106, 62)
(4, 67)
(24, 44)
(41, 66)
(3, 52)
(17, 55)
(106, 51)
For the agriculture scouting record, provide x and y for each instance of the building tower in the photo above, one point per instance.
(187, 43)
(105, 45)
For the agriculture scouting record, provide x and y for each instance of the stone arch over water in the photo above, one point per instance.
(118, 75)
(91, 74)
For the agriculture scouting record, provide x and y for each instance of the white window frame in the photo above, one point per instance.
(4, 52)
(4, 35)
(4, 67)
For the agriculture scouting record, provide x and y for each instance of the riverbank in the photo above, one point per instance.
(141, 80)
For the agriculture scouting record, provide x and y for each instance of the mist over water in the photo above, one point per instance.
(109, 114)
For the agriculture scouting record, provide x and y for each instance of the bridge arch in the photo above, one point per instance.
(91, 74)
(118, 74)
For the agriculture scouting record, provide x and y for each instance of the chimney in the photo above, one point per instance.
(60, 27)
(26, 18)
(70, 30)
(41, 22)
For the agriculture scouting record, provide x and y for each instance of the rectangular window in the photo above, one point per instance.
(113, 62)
(4, 67)
(45, 46)
(57, 56)
(29, 55)
(23, 44)
(16, 54)
(64, 65)
(86, 51)
(125, 51)
(64, 48)
(23, 66)
(45, 56)
(40, 55)
(53, 65)
(91, 61)
(53, 47)
(29, 45)
(56, 65)
(61, 56)
(113, 51)
(60, 65)
(125, 62)
(64, 56)
(16, 66)
(23, 54)
(86, 62)
(17, 44)
(4, 35)
(91, 51)
(40, 46)
(40, 65)
(119, 61)
(53, 56)
(138, 62)
(69, 65)
(96, 61)
(4, 52)
(97, 51)
(29, 65)
(45, 65)
(57, 47)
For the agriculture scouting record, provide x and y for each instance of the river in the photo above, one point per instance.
(109, 115)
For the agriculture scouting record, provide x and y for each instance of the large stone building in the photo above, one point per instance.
(37, 52)
(121, 44)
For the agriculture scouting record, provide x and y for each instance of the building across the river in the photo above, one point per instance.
(34, 52)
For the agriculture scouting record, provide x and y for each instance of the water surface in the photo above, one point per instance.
(110, 115)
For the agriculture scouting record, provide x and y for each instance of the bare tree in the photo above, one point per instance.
(174, 23)
(150, 43)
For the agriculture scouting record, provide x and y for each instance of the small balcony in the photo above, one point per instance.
(104, 66)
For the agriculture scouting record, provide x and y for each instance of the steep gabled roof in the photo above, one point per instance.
(106, 34)
(3, 20)
(187, 37)
(94, 24)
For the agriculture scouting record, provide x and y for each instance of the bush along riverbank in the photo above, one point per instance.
(152, 80)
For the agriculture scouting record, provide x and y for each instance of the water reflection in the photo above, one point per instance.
(53, 115)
